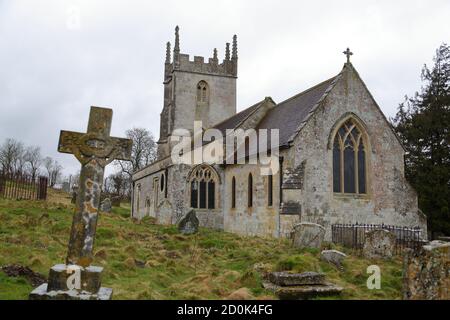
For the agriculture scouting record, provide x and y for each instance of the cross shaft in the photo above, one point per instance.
(94, 149)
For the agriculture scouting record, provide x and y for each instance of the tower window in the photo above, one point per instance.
(202, 92)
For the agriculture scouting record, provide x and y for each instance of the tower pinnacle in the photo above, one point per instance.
(176, 49)
(234, 55)
(168, 52)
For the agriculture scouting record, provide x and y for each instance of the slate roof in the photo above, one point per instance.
(288, 115)
(233, 121)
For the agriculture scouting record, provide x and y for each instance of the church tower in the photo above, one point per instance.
(196, 91)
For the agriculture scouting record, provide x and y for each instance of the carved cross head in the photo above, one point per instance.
(96, 143)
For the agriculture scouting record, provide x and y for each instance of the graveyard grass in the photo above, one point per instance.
(143, 260)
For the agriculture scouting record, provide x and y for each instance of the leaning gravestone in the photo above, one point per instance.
(333, 256)
(308, 235)
(379, 243)
(189, 223)
(106, 206)
(77, 279)
(426, 272)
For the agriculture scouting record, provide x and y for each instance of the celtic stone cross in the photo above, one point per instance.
(94, 149)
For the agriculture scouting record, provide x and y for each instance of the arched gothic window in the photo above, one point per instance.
(349, 160)
(202, 92)
(202, 183)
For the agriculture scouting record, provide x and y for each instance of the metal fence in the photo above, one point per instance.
(22, 186)
(353, 235)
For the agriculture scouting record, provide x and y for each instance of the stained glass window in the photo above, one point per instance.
(349, 160)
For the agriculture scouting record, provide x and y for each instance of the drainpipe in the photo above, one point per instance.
(281, 195)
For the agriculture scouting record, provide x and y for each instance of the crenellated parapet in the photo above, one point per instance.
(183, 62)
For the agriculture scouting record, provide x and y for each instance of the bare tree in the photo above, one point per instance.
(33, 159)
(143, 151)
(76, 179)
(11, 156)
(19, 166)
(54, 170)
(56, 173)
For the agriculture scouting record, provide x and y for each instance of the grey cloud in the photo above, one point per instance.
(50, 72)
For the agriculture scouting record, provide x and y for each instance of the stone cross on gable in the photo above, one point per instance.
(348, 53)
(94, 149)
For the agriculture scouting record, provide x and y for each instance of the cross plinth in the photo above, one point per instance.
(77, 279)
(94, 149)
(348, 53)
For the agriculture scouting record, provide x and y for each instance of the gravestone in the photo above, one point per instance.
(306, 285)
(333, 256)
(284, 278)
(189, 223)
(379, 243)
(426, 272)
(308, 235)
(77, 279)
(106, 206)
(66, 187)
(115, 201)
(164, 213)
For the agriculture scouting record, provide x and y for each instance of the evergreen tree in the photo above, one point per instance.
(423, 124)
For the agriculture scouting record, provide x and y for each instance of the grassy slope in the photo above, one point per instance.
(209, 265)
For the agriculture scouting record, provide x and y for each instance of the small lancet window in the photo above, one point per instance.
(349, 160)
(270, 190)
(250, 191)
(233, 193)
(138, 196)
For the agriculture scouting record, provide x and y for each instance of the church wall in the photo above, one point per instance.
(390, 199)
(222, 98)
(150, 196)
(170, 209)
(260, 219)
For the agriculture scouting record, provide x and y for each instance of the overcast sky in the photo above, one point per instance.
(59, 57)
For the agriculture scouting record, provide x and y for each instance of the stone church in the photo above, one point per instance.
(339, 158)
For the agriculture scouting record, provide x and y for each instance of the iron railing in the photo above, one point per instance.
(353, 235)
(22, 186)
